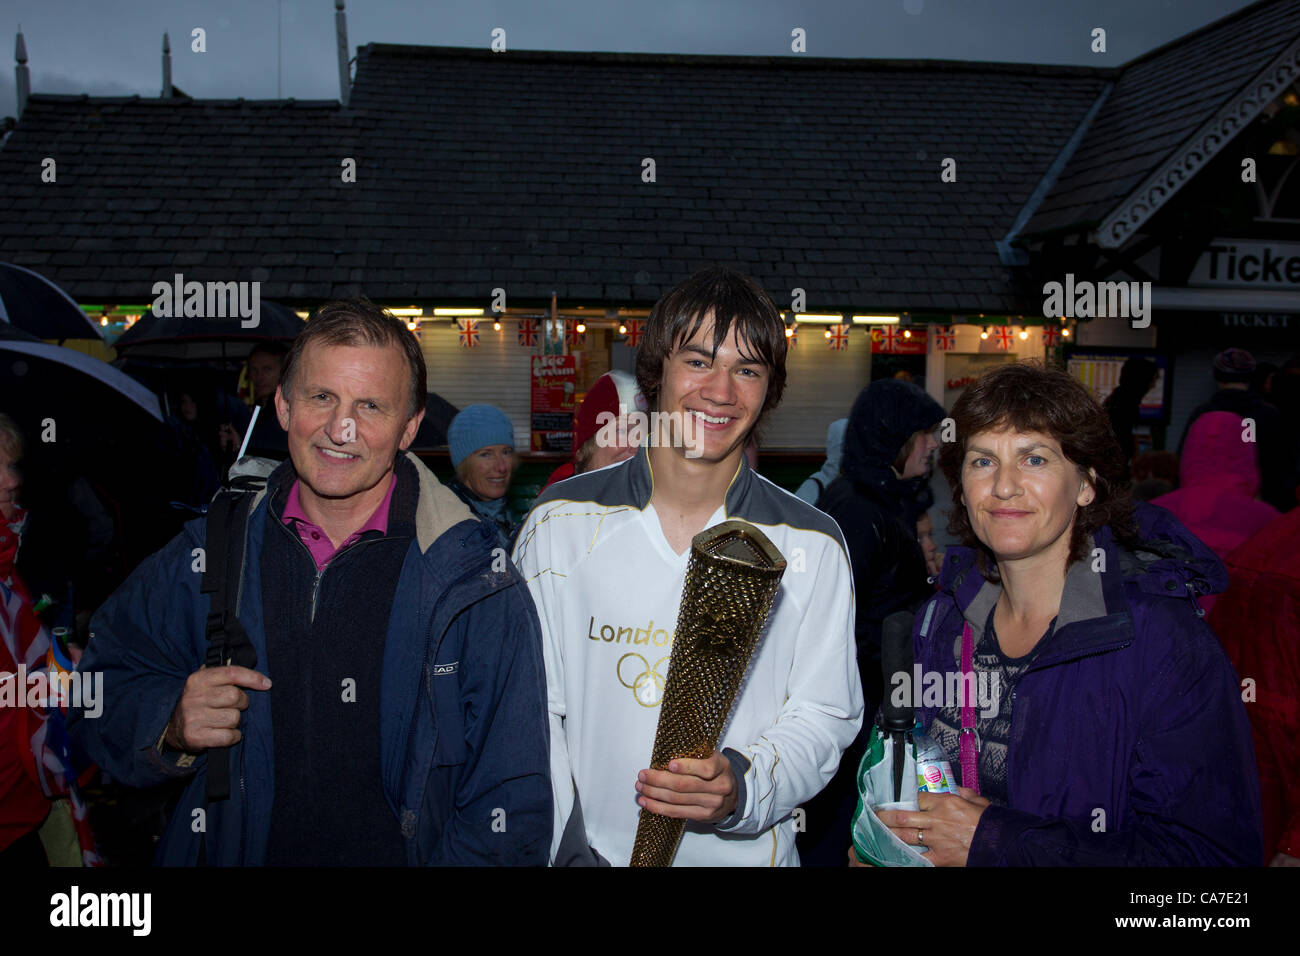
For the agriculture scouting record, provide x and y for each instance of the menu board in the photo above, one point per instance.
(554, 384)
(1099, 369)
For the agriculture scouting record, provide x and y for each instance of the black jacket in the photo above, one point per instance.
(877, 511)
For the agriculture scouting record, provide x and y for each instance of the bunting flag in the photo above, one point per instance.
(528, 333)
(572, 337)
(468, 332)
(945, 338)
(895, 341)
(885, 338)
(839, 339)
(634, 327)
(1051, 336)
(1003, 335)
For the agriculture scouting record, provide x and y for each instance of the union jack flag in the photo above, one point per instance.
(945, 338)
(25, 641)
(887, 337)
(528, 333)
(1051, 336)
(468, 332)
(839, 338)
(1003, 335)
(572, 337)
(634, 327)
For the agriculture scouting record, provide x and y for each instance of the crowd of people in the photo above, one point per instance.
(422, 681)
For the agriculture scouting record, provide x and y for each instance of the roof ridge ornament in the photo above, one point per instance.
(22, 78)
(1198, 149)
(166, 67)
(345, 70)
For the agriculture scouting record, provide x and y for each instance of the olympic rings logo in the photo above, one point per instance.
(647, 683)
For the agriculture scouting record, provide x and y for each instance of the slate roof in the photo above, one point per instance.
(523, 170)
(1158, 102)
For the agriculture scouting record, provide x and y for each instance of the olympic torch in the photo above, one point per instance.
(731, 581)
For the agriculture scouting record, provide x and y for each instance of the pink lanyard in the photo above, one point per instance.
(969, 738)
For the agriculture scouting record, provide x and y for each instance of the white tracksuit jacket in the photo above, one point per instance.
(607, 587)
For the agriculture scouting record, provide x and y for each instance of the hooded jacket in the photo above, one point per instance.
(463, 721)
(1277, 458)
(816, 484)
(1218, 484)
(877, 512)
(1258, 621)
(1129, 742)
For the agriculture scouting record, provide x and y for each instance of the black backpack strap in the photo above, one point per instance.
(227, 526)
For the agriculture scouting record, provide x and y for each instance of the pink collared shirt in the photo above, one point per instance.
(317, 541)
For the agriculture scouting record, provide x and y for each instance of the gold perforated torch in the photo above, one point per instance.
(731, 581)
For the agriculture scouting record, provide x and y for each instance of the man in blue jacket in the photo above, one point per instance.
(407, 720)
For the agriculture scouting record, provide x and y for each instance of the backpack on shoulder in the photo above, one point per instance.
(226, 539)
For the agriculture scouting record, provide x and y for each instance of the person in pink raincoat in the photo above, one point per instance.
(1219, 479)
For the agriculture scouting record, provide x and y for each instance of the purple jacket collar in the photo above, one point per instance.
(1171, 561)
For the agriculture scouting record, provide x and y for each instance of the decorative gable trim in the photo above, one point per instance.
(1230, 119)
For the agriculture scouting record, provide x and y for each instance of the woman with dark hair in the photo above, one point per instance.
(1109, 728)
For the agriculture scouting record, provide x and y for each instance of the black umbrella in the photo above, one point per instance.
(78, 412)
(34, 304)
(191, 338)
(15, 334)
(83, 418)
(41, 377)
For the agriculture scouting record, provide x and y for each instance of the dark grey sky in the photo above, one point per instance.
(112, 47)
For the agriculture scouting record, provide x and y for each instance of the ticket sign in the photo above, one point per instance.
(1248, 263)
(554, 384)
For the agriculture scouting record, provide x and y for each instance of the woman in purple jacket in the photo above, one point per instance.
(1107, 725)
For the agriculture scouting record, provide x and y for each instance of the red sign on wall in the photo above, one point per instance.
(554, 382)
(889, 339)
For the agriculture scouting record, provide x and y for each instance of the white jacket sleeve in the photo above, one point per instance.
(796, 757)
(532, 558)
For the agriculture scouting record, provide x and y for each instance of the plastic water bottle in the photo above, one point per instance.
(933, 771)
